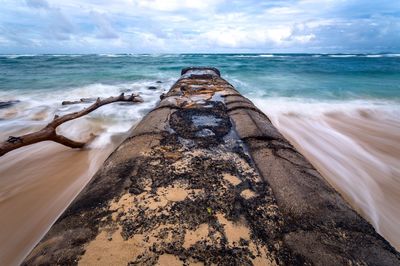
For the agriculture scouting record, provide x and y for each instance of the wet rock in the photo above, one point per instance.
(125, 90)
(7, 104)
(153, 88)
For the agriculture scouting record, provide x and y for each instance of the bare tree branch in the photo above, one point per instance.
(49, 131)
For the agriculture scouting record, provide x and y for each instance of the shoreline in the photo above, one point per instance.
(202, 122)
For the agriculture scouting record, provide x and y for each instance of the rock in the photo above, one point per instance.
(158, 81)
(152, 88)
(7, 104)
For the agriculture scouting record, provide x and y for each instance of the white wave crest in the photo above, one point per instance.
(342, 55)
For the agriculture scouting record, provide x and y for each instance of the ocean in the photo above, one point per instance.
(342, 111)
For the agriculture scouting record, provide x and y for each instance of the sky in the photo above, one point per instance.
(205, 26)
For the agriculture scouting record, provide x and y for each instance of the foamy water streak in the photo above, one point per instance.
(38, 182)
(355, 146)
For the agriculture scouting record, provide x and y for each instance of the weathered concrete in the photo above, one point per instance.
(206, 178)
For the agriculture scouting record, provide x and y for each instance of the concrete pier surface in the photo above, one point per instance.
(205, 178)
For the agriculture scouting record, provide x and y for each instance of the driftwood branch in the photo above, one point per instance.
(49, 131)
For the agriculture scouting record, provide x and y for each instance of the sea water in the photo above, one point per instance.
(342, 111)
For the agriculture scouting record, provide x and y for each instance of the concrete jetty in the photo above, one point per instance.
(205, 178)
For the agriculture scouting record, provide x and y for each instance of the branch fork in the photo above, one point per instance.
(49, 131)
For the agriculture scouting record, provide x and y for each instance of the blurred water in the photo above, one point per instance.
(355, 146)
(341, 111)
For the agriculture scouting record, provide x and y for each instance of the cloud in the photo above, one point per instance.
(37, 4)
(304, 38)
(174, 5)
(200, 26)
(236, 38)
(253, 38)
(104, 27)
(8, 37)
(59, 25)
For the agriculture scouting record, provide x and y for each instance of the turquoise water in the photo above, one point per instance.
(339, 77)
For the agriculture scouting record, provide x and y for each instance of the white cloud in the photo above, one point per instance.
(150, 40)
(282, 11)
(313, 24)
(279, 35)
(304, 38)
(174, 5)
(251, 38)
